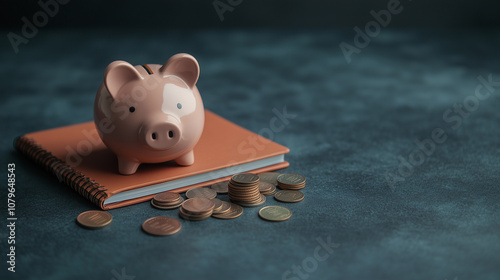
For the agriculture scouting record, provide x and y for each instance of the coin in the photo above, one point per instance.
(275, 213)
(217, 204)
(289, 196)
(201, 192)
(167, 198)
(198, 205)
(269, 177)
(291, 181)
(243, 188)
(225, 207)
(259, 202)
(220, 187)
(245, 178)
(193, 217)
(161, 225)
(167, 207)
(94, 219)
(271, 192)
(265, 187)
(196, 209)
(234, 211)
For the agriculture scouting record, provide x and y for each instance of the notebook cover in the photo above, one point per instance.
(222, 144)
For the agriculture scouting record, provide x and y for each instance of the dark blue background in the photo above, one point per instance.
(354, 122)
(167, 14)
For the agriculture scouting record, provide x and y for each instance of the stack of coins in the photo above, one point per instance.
(291, 181)
(234, 211)
(266, 188)
(217, 205)
(243, 189)
(201, 192)
(167, 200)
(225, 207)
(196, 209)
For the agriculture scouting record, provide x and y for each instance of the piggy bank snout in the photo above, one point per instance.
(162, 135)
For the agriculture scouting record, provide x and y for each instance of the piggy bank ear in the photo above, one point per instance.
(184, 66)
(117, 74)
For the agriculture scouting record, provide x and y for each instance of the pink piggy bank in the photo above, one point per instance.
(150, 113)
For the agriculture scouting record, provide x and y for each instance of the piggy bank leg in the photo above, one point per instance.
(127, 167)
(186, 159)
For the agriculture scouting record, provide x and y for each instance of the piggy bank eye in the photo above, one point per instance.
(179, 106)
(131, 109)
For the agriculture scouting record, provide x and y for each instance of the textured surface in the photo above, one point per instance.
(352, 123)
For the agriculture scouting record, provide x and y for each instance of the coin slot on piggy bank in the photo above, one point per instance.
(150, 113)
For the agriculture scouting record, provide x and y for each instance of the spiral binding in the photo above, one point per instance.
(82, 184)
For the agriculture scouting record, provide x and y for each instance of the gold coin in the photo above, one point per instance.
(275, 213)
(201, 192)
(161, 225)
(289, 196)
(234, 212)
(94, 219)
(269, 177)
(220, 187)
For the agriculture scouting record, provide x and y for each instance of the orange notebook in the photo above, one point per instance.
(77, 156)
